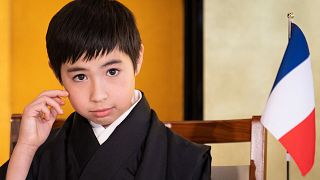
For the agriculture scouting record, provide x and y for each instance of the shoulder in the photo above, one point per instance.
(184, 148)
(176, 144)
(196, 158)
(184, 159)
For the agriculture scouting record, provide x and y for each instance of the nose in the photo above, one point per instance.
(98, 91)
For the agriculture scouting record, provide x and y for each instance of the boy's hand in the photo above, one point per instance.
(39, 116)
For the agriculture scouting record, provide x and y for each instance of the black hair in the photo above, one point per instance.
(91, 28)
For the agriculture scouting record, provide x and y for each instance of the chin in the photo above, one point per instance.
(103, 121)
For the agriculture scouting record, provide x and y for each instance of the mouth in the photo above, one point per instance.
(100, 113)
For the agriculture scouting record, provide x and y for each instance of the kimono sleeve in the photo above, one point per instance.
(203, 168)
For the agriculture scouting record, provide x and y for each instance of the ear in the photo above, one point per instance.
(139, 60)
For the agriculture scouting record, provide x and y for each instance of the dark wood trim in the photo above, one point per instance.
(193, 74)
(213, 131)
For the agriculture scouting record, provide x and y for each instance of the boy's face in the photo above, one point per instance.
(101, 89)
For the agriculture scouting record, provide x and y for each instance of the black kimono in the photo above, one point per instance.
(140, 148)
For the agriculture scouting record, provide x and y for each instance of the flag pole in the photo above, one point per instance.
(290, 17)
(290, 20)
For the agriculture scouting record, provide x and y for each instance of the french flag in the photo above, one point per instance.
(290, 111)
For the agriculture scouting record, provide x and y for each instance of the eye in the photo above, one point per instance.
(80, 77)
(112, 72)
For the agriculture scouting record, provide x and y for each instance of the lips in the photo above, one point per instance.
(100, 113)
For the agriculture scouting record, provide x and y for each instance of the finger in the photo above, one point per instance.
(47, 101)
(55, 93)
(54, 113)
(59, 100)
(50, 94)
(54, 105)
(43, 112)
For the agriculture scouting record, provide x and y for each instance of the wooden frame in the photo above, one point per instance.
(229, 131)
(193, 59)
(211, 131)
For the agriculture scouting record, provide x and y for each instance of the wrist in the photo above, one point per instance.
(20, 161)
(31, 148)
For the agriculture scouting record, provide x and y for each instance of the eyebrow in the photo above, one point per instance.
(113, 61)
(109, 63)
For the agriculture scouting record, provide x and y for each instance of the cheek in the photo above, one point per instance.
(122, 91)
(126, 88)
(129, 81)
(123, 84)
(76, 98)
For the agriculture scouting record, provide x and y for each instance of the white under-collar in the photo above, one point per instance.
(102, 133)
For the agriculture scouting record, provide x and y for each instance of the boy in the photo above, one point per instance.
(95, 51)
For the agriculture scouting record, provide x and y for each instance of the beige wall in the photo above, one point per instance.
(161, 27)
(5, 78)
(244, 45)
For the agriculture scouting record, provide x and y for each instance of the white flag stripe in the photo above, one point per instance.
(291, 101)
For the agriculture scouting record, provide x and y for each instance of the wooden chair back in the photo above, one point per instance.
(211, 131)
(229, 131)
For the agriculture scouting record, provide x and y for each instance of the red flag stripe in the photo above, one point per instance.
(300, 143)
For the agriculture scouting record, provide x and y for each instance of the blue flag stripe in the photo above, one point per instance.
(297, 51)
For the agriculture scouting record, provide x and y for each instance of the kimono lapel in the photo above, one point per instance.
(82, 143)
(155, 151)
(126, 141)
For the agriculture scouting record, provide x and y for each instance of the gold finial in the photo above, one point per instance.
(290, 15)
